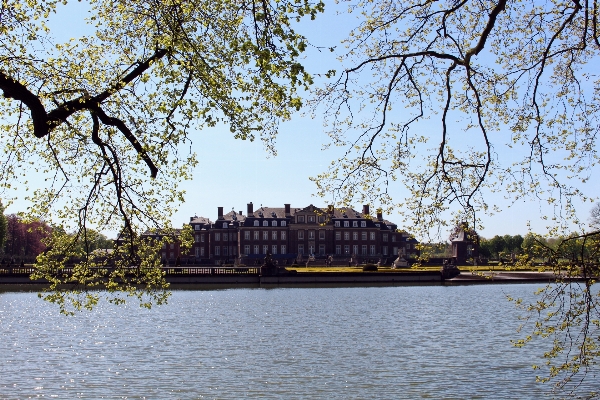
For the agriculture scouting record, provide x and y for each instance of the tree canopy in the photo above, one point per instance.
(105, 118)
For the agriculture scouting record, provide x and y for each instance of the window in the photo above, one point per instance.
(385, 237)
(225, 225)
(164, 245)
(197, 238)
(301, 218)
(225, 251)
(172, 246)
(338, 236)
(337, 224)
(338, 249)
(321, 219)
(311, 234)
(256, 250)
(393, 238)
(321, 234)
(364, 249)
(354, 235)
(274, 249)
(311, 218)
(372, 250)
(300, 249)
(355, 224)
(247, 235)
(265, 249)
(225, 237)
(384, 250)
(363, 224)
(256, 235)
(265, 223)
(217, 250)
(197, 254)
(346, 224)
(283, 249)
(363, 235)
(395, 251)
(346, 249)
(283, 235)
(283, 223)
(311, 249)
(202, 237)
(300, 235)
(346, 235)
(247, 249)
(274, 235)
(274, 223)
(196, 227)
(355, 249)
(322, 249)
(217, 236)
(201, 251)
(372, 235)
(256, 223)
(265, 235)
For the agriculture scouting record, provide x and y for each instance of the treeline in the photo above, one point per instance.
(25, 240)
(533, 245)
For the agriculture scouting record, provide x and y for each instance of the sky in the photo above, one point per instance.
(231, 172)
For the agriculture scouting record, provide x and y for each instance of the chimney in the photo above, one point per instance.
(191, 219)
(240, 212)
(287, 209)
(220, 212)
(379, 215)
(250, 209)
(330, 209)
(365, 210)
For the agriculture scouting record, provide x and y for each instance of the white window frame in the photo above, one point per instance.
(256, 223)
(338, 236)
(301, 234)
(274, 235)
(355, 224)
(265, 223)
(346, 224)
(372, 250)
(217, 250)
(283, 235)
(217, 236)
(363, 224)
(246, 235)
(372, 235)
(283, 249)
(321, 234)
(196, 227)
(311, 234)
(246, 249)
(363, 235)
(256, 235)
(265, 235)
(346, 235)
(256, 249)
(336, 224)
(274, 223)
(283, 223)
(338, 249)
(354, 235)
(274, 249)
(265, 249)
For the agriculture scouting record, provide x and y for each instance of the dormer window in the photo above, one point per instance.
(363, 224)
(196, 227)
(265, 223)
(355, 224)
(346, 224)
(274, 223)
(256, 223)
(225, 225)
(311, 218)
(301, 218)
(337, 223)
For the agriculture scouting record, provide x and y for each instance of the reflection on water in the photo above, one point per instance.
(390, 342)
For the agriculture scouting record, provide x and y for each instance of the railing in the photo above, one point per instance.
(191, 270)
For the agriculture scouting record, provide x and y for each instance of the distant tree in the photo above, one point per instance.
(3, 228)
(498, 244)
(595, 216)
(25, 238)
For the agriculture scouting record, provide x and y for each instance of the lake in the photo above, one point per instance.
(372, 342)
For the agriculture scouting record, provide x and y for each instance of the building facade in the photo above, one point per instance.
(292, 234)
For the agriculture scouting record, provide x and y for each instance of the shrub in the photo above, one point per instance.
(370, 267)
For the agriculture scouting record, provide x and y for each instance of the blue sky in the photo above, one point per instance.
(230, 173)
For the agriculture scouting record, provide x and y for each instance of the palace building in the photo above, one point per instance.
(289, 234)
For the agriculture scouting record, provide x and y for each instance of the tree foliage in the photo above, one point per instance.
(460, 103)
(105, 119)
(25, 238)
